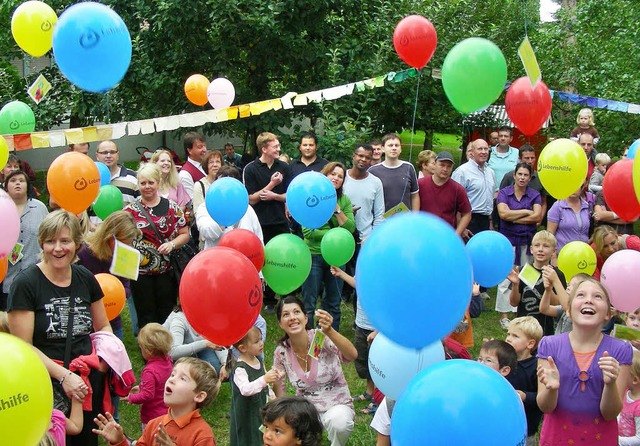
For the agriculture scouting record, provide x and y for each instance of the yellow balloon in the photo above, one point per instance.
(32, 27)
(576, 257)
(636, 175)
(4, 153)
(562, 167)
(26, 396)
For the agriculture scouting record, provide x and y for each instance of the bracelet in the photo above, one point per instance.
(69, 372)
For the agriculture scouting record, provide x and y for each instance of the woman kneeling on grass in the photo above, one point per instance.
(319, 380)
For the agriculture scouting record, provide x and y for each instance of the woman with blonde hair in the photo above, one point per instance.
(164, 229)
(426, 163)
(96, 253)
(170, 186)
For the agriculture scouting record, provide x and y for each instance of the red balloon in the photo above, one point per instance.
(618, 191)
(528, 108)
(221, 294)
(415, 40)
(247, 243)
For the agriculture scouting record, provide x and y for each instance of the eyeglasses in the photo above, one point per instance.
(108, 152)
(486, 361)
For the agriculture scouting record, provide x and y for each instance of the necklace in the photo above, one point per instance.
(304, 358)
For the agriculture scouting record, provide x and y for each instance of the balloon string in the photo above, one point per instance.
(413, 120)
(524, 14)
(106, 95)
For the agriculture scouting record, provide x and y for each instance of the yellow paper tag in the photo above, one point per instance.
(126, 261)
(528, 58)
(397, 209)
(39, 89)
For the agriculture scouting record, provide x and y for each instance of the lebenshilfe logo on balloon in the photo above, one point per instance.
(89, 39)
(542, 166)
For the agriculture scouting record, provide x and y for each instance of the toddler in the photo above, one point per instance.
(155, 342)
(585, 125)
(602, 163)
(291, 421)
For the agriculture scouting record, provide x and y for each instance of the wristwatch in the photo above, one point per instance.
(339, 211)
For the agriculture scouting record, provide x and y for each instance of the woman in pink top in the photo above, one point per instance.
(319, 378)
(170, 186)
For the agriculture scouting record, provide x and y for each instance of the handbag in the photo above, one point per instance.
(178, 258)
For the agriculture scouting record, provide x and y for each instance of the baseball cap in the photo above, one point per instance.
(445, 156)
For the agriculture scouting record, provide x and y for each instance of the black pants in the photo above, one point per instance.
(269, 232)
(479, 223)
(155, 296)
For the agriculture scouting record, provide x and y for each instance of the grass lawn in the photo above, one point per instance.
(485, 326)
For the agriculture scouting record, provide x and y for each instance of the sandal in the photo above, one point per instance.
(370, 409)
(364, 396)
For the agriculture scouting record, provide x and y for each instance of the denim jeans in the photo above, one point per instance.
(321, 274)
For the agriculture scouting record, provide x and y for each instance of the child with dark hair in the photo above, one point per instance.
(498, 355)
(294, 420)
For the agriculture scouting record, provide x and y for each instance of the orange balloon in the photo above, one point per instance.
(196, 89)
(4, 264)
(73, 181)
(114, 295)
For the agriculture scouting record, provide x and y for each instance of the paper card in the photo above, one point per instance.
(316, 344)
(397, 209)
(126, 261)
(39, 89)
(530, 62)
(529, 275)
(16, 254)
(625, 333)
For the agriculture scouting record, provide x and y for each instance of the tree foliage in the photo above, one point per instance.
(270, 48)
(593, 50)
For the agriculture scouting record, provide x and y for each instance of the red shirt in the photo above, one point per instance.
(443, 201)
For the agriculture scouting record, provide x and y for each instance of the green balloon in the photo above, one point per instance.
(287, 263)
(337, 246)
(109, 200)
(16, 117)
(474, 74)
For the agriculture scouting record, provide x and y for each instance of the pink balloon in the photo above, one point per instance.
(9, 222)
(221, 93)
(620, 275)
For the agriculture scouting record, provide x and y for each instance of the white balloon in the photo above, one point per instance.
(221, 93)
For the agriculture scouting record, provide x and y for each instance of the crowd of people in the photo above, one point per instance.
(557, 354)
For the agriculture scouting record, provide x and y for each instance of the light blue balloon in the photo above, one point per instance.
(105, 174)
(492, 257)
(311, 199)
(633, 148)
(227, 201)
(458, 402)
(393, 366)
(92, 46)
(414, 279)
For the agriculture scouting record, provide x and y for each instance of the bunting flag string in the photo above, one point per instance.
(58, 138)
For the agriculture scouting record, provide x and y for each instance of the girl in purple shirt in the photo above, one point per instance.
(582, 374)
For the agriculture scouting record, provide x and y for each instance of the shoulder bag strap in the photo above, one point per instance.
(71, 311)
(153, 225)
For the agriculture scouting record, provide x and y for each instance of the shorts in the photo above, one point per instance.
(362, 346)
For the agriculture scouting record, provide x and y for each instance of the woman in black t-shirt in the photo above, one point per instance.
(55, 300)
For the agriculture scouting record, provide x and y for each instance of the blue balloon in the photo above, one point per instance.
(227, 201)
(492, 257)
(311, 199)
(92, 46)
(458, 402)
(105, 174)
(633, 148)
(393, 366)
(414, 279)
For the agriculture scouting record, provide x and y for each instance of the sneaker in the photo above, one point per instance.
(485, 296)
(504, 323)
